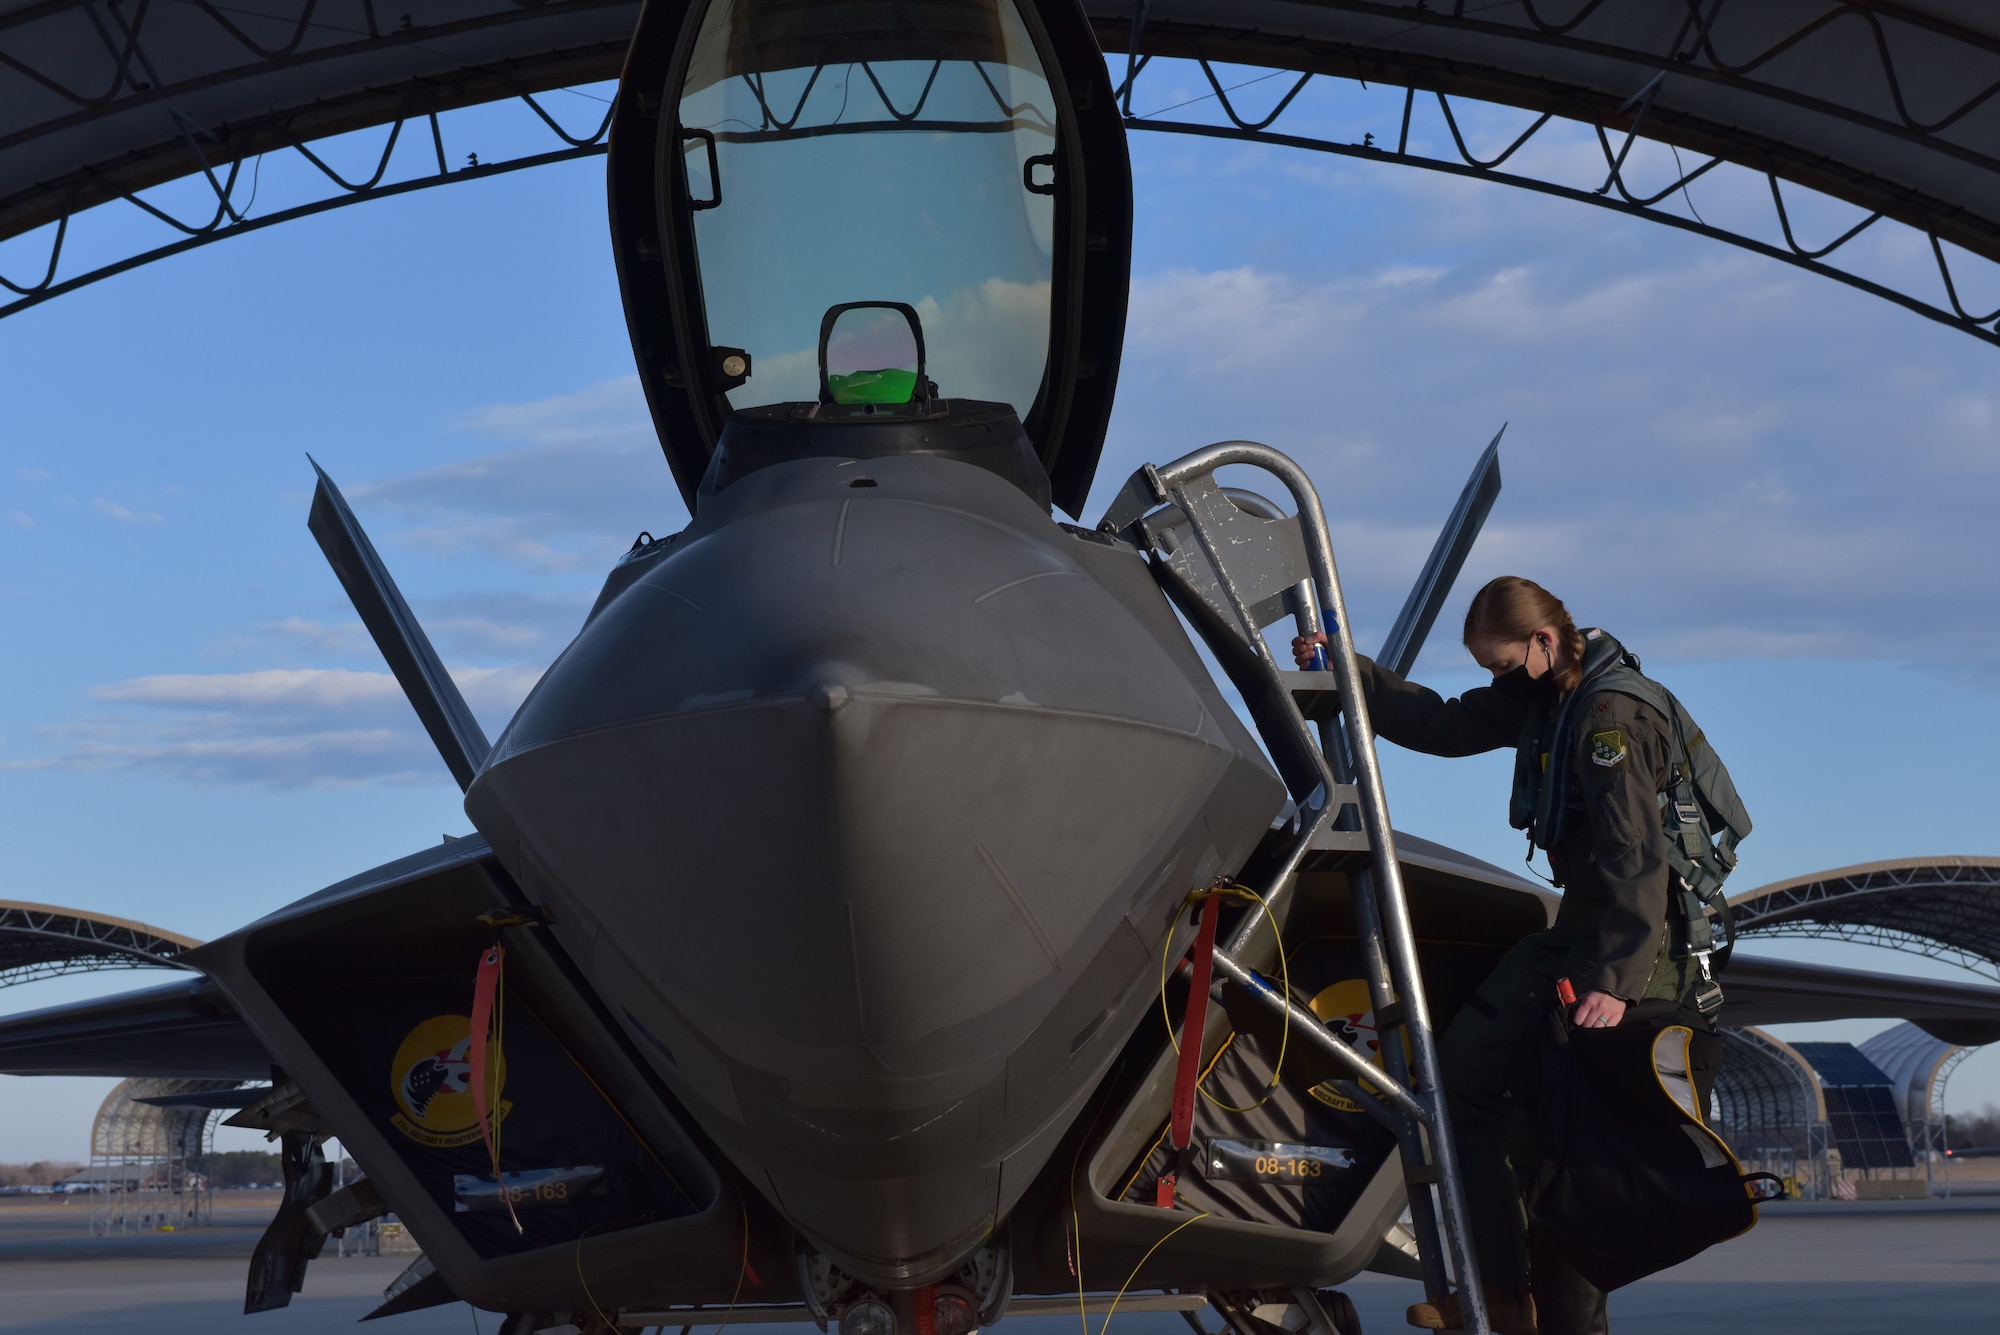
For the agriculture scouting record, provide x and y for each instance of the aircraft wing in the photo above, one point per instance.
(180, 1030)
(1762, 991)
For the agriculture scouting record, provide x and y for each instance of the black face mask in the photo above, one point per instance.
(1518, 685)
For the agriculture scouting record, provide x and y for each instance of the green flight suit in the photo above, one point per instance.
(1610, 935)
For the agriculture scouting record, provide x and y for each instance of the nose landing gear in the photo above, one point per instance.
(975, 1295)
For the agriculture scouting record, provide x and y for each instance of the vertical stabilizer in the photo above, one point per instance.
(1433, 586)
(432, 693)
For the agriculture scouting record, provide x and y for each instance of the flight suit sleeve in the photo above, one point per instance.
(1419, 718)
(1621, 758)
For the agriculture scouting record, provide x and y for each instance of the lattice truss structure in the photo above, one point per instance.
(42, 941)
(145, 1157)
(1859, 141)
(1768, 1106)
(1813, 229)
(216, 86)
(1945, 908)
(1919, 1066)
(1782, 1107)
(1765, 1096)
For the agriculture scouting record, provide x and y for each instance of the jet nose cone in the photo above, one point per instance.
(864, 809)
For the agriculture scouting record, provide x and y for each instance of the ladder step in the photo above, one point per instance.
(1390, 1016)
(1340, 841)
(1315, 694)
(1423, 1175)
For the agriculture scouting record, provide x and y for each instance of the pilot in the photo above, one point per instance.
(1609, 937)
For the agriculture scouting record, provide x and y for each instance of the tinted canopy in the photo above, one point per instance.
(879, 204)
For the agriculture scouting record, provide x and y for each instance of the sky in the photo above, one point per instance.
(1775, 489)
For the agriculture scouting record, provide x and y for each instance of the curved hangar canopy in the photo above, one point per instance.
(1891, 107)
(42, 941)
(1946, 907)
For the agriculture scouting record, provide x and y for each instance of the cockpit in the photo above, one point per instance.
(870, 194)
(908, 216)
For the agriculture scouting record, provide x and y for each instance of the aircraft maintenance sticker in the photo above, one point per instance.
(432, 1081)
(1607, 748)
(1272, 1161)
(527, 1188)
(1346, 1009)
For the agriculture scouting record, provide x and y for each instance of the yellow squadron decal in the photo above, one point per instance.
(1346, 1009)
(1607, 748)
(431, 1078)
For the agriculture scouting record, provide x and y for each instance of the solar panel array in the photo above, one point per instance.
(1841, 1064)
(1865, 1127)
(1860, 1107)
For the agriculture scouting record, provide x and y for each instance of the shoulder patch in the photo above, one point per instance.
(1607, 748)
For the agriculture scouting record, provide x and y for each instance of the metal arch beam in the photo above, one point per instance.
(43, 941)
(1944, 908)
(1892, 105)
(104, 98)
(1951, 314)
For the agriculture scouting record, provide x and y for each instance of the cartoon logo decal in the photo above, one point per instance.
(1346, 1009)
(431, 1078)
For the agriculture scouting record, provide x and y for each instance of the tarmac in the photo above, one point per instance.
(1831, 1269)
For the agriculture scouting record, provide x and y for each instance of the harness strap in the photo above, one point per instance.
(1180, 1128)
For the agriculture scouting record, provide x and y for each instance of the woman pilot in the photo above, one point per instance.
(1599, 822)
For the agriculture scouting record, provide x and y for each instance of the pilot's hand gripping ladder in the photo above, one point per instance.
(1234, 564)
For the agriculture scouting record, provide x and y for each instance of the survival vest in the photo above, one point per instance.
(1701, 815)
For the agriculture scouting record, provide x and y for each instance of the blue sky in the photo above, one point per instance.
(1776, 489)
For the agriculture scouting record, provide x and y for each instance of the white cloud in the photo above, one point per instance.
(281, 688)
(586, 475)
(124, 516)
(1711, 453)
(21, 518)
(498, 637)
(273, 727)
(318, 637)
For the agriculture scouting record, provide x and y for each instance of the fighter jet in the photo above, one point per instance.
(846, 899)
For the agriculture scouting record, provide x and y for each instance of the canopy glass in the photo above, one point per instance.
(873, 153)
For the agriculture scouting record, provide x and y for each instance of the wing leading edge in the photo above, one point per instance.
(180, 1030)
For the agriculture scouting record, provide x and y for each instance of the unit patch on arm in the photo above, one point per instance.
(1607, 748)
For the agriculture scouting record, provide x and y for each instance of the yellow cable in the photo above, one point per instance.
(588, 1296)
(1238, 892)
(1076, 1234)
(1167, 1126)
(1141, 1266)
(493, 1057)
(741, 1271)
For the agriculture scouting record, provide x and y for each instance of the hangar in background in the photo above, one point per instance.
(1879, 1106)
(149, 1135)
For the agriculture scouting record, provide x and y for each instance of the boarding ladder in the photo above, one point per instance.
(1234, 564)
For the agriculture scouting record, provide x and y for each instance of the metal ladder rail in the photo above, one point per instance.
(1420, 1176)
(1381, 907)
